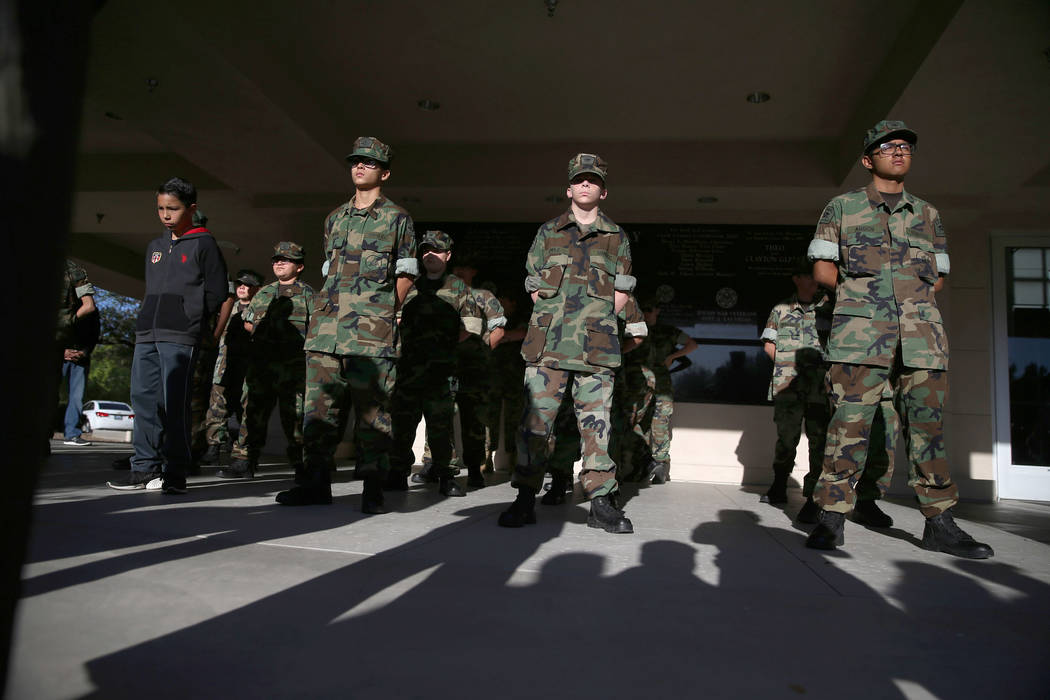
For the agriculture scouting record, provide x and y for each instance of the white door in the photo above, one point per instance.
(1021, 323)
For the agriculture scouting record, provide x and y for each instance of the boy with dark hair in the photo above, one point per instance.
(439, 315)
(352, 339)
(884, 252)
(276, 319)
(185, 284)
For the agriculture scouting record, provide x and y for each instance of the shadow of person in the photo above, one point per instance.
(975, 641)
(148, 529)
(391, 622)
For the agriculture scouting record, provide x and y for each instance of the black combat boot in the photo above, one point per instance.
(474, 478)
(448, 487)
(607, 517)
(372, 497)
(212, 455)
(522, 511)
(306, 496)
(868, 513)
(426, 475)
(239, 468)
(943, 535)
(828, 532)
(777, 494)
(658, 472)
(555, 495)
(810, 512)
(396, 480)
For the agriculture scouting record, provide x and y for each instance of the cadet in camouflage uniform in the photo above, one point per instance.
(508, 369)
(566, 437)
(230, 368)
(75, 302)
(579, 274)
(276, 318)
(795, 338)
(352, 339)
(475, 398)
(438, 316)
(203, 372)
(884, 251)
(650, 413)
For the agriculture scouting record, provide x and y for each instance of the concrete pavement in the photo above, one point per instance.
(222, 593)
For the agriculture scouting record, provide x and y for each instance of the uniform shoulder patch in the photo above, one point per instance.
(828, 215)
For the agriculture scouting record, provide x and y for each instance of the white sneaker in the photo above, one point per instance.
(155, 484)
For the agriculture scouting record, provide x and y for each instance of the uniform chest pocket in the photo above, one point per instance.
(375, 256)
(553, 272)
(920, 254)
(865, 254)
(601, 274)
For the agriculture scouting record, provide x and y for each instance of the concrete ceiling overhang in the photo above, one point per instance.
(258, 103)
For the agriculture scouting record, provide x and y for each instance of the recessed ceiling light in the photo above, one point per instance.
(115, 116)
(707, 200)
(757, 98)
(428, 105)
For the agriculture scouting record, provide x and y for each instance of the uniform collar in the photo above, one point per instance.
(875, 199)
(371, 210)
(602, 224)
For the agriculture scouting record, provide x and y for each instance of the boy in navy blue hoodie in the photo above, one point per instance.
(185, 285)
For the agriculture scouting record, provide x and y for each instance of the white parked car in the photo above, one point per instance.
(108, 415)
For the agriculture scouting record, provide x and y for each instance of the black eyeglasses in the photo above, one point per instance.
(887, 149)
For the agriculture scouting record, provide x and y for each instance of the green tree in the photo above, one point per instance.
(110, 374)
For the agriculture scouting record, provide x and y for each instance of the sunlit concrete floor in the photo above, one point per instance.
(222, 593)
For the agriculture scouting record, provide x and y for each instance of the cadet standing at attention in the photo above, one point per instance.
(351, 341)
(884, 252)
(276, 318)
(229, 369)
(438, 316)
(579, 275)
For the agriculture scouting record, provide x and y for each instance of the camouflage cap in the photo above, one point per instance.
(885, 130)
(290, 250)
(371, 147)
(249, 277)
(658, 297)
(438, 240)
(588, 163)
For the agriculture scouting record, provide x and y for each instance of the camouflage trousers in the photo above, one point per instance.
(200, 399)
(791, 413)
(334, 385)
(648, 408)
(226, 401)
(281, 382)
(567, 444)
(591, 396)
(856, 393)
(432, 400)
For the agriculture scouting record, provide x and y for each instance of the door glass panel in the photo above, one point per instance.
(1028, 330)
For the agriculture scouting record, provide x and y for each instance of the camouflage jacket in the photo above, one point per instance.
(365, 251)
(888, 263)
(800, 333)
(575, 272)
(234, 344)
(75, 284)
(434, 313)
(280, 314)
